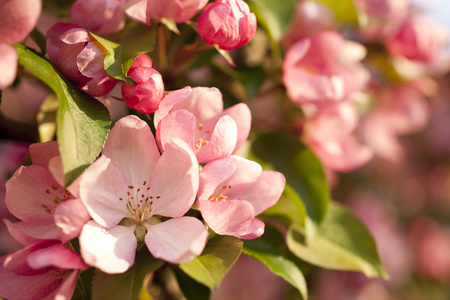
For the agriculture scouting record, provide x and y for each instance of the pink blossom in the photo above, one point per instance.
(324, 68)
(382, 18)
(45, 270)
(310, 18)
(79, 57)
(402, 110)
(233, 191)
(329, 133)
(148, 92)
(419, 38)
(227, 23)
(196, 116)
(36, 195)
(99, 16)
(17, 20)
(125, 192)
(177, 10)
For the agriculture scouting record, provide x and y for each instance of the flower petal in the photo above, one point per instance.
(56, 255)
(41, 153)
(70, 216)
(8, 65)
(222, 142)
(66, 287)
(254, 230)
(101, 188)
(28, 233)
(178, 124)
(265, 192)
(213, 174)
(132, 149)
(112, 250)
(243, 117)
(230, 217)
(166, 241)
(175, 180)
(169, 101)
(18, 18)
(246, 175)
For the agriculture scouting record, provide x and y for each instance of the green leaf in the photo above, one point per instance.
(191, 289)
(301, 168)
(344, 9)
(125, 286)
(82, 123)
(130, 44)
(289, 205)
(342, 242)
(217, 258)
(277, 263)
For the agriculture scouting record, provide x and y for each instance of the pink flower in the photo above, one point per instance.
(329, 133)
(227, 23)
(148, 92)
(127, 190)
(196, 116)
(382, 17)
(79, 57)
(177, 10)
(99, 16)
(310, 18)
(324, 68)
(36, 195)
(402, 110)
(45, 270)
(419, 38)
(233, 191)
(17, 20)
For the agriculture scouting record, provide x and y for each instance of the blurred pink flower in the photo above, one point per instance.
(419, 38)
(17, 20)
(45, 270)
(148, 92)
(196, 116)
(233, 191)
(177, 10)
(381, 18)
(402, 110)
(310, 18)
(99, 16)
(79, 57)
(324, 68)
(227, 23)
(36, 195)
(330, 135)
(126, 190)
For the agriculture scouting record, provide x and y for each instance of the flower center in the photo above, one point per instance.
(140, 202)
(220, 197)
(201, 142)
(56, 198)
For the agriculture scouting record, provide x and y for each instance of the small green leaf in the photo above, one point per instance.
(128, 285)
(217, 258)
(277, 263)
(301, 168)
(82, 122)
(342, 242)
(344, 9)
(191, 289)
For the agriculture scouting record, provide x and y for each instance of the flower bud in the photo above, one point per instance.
(148, 92)
(227, 23)
(80, 58)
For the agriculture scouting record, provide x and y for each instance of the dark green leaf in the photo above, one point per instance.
(217, 258)
(342, 242)
(344, 9)
(191, 289)
(301, 168)
(125, 286)
(82, 123)
(277, 263)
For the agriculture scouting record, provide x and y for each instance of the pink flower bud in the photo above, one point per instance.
(99, 16)
(419, 38)
(148, 92)
(80, 58)
(227, 23)
(177, 10)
